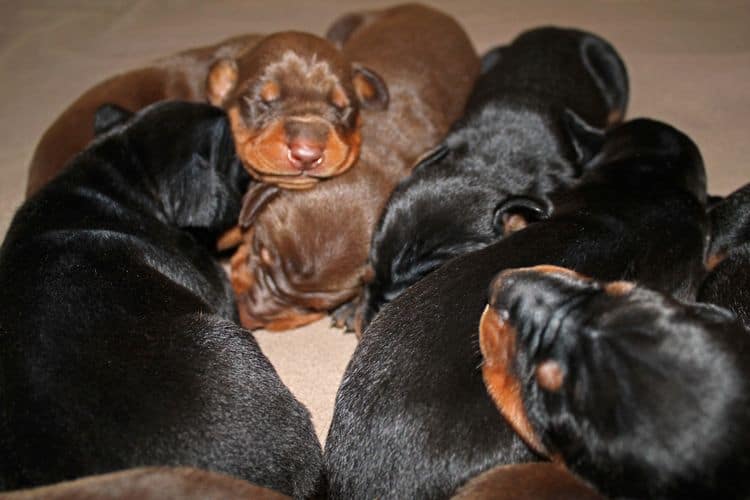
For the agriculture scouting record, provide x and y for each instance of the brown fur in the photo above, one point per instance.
(181, 76)
(319, 239)
(150, 483)
(532, 481)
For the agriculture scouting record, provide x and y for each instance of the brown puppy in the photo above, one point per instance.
(294, 102)
(181, 76)
(150, 483)
(538, 481)
(306, 253)
(292, 97)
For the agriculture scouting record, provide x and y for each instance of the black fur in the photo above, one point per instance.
(655, 394)
(728, 284)
(412, 416)
(534, 117)
(118, 342)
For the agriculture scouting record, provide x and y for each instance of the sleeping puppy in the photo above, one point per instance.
(728, 282)
(119, 346)
(306, 252)
(412, 416)
(640, 394)
(534, 117)
(293, 99)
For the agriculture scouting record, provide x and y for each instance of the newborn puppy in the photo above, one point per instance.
(294, 103)
(150, 483)
(412, 416)
(534, 117)
(292, 97)
(119, 346)
(728, 283)
(306, 252)
(537, 481)
(639, 394)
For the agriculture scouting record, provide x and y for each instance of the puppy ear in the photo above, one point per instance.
(256, 197)
(108, 116)
(221, 81)
(370, 88)
(490, 59)
(343, 27)
(585, 140)
(609, 73)
(517, 212)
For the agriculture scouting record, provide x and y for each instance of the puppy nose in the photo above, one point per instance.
(305, 155)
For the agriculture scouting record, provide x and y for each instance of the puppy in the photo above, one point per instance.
(150, 483)
(639, 394)
(306, 252)
(535, 115)
(294, 102)
(538, 481)
(412, 416)
(119, 346)
(728, 282)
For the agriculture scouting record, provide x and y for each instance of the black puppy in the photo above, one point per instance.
(534, 117)
(412, 416)
(728, 283)
(118, 342)
(641, 395)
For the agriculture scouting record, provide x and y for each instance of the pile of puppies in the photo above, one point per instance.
(611, 343)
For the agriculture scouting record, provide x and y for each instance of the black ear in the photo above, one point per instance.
(431, 156)
(370, 88)
(207, 192)
(108, 116)
(585, 140)
(517, 212)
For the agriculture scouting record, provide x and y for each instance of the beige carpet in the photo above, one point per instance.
(689, 64)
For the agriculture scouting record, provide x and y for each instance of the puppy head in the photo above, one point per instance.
(294, 102)
(634, 392)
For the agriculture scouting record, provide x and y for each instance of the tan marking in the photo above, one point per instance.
(513, 223)
(619, 288)
(265, 256)
(550, 269)
(241, 276)
(714, 260)
(550, 375)
(270, 91)
(497, 340)
(615, 116)
(230, 239)
(339, 97)
(363, 87)
(221, 80)
(293, 321)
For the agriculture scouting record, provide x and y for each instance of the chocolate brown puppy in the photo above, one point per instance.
(292, 97)
(412, 416)
(307, 251)
(294, 103)
(537, 481)
(728, 258)
(150, 483)
(180, 76)
(640, 394)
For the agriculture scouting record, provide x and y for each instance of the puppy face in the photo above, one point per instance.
(294, 103)
(633, 391)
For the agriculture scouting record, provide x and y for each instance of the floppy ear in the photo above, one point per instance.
(108, 116)
(490, 59)
(221, 81)
(207, 192)
(517, 212)
(370, 88)
(585, 140)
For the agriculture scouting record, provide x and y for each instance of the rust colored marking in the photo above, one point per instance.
(293, 321)
(230, 239)
(270, 91)
(339, 97)
(549, 269)
(497, 340)
(714, 260)
(363, 87)
(241, 276)
(619, 288)
(550, 375)
(513, 223)
(221, 80)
